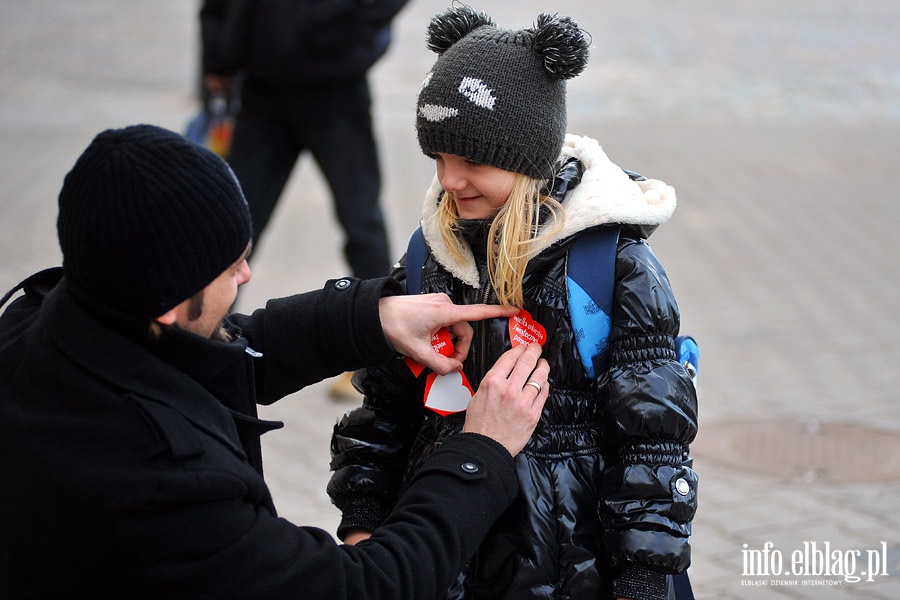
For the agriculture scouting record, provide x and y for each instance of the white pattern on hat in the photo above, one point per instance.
(435, 113)
(477, 92)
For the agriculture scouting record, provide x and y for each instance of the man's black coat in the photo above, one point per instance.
(130, 467)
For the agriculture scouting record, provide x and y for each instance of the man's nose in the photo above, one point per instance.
(244, 272)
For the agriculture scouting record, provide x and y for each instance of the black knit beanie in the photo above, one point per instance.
(147, 219)
(498, 97)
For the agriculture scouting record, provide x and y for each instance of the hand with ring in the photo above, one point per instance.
(505, 407)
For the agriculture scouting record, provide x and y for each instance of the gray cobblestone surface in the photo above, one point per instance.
(778, 124)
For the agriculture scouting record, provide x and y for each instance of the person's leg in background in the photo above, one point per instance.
(341, 139)
(263, 152)
(343, 144)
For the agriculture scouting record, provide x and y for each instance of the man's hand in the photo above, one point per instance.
(510, 398)
(216, 84)
(409, 322)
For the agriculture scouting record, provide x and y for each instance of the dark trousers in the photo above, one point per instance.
(334, 123)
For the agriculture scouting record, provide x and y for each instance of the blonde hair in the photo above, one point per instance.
(514, 237)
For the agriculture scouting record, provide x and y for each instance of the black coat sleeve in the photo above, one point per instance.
(316, 335)
(229, 548)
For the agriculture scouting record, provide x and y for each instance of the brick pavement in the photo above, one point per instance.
(776, 122)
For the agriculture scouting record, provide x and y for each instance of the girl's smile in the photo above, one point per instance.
(477, 190)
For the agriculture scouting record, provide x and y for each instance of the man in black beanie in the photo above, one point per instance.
(130, 454)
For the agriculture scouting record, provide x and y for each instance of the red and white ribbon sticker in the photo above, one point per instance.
(447, 394)
(523, 329)
(444, 394)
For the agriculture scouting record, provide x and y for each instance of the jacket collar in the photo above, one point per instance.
(126, 363)
(605, 195)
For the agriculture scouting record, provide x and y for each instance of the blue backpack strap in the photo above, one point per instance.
(416, 253)
(590, 279)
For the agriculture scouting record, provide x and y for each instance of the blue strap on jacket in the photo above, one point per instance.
(590, 279)
(416, 252)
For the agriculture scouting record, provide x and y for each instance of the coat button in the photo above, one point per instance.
(469, 467)
(342, 284)
(682, 487)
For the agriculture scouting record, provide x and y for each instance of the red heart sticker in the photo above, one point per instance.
(441, 342)
(523, 329)
(448, 394)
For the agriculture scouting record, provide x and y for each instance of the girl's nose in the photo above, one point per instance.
(451, 174)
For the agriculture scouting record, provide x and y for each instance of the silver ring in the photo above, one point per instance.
(535, 385)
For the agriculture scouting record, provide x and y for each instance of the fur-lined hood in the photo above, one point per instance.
(606, 194)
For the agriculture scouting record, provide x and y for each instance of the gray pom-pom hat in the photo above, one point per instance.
(497, 96)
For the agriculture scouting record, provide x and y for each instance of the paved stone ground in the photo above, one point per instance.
(777, 122)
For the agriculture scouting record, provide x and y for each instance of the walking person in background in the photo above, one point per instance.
(606, 501)
(130, 453)
(304, 66)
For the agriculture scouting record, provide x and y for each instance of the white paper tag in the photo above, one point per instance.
(446, 394)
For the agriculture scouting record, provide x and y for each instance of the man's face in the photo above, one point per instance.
(203, 313)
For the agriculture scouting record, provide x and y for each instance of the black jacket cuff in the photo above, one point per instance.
(638, 583)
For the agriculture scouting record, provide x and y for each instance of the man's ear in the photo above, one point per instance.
(168, 318)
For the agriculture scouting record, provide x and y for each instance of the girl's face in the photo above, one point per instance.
(478, 190)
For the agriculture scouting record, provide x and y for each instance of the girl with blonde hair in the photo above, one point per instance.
(606, 499)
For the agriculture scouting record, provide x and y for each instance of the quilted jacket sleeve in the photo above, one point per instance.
(370, 445)
(648, 496)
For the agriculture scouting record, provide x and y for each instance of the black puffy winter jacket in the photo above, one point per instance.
(605, 503)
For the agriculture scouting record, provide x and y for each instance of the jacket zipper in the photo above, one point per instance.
(482, 330)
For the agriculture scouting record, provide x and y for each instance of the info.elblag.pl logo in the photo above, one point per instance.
(814, 563)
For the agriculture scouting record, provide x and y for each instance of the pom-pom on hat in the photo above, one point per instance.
(147, 219)
(497, 96)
